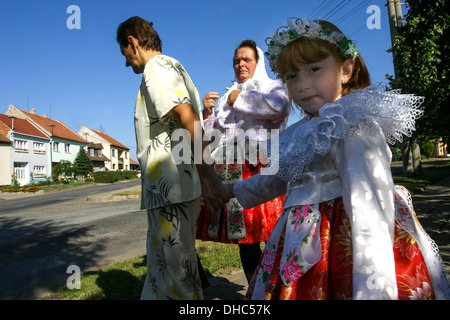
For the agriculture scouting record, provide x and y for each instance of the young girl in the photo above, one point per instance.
(346, 232)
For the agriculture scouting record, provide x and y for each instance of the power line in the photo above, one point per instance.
(319, 8)
(337, 8)
(364, 26)
(352, 12)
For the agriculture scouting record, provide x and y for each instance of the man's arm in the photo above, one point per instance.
(214, 194)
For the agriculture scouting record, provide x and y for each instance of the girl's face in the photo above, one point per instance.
(314, 84)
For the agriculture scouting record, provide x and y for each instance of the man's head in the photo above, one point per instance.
(138, 41)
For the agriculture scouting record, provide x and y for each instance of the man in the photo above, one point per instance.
(167, 100)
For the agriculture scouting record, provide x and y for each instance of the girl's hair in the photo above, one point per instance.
(310, 50)
(140, 29)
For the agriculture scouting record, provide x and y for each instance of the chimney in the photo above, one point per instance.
(45, 115)
(32, 111)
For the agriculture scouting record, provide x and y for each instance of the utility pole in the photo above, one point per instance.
(395, 21)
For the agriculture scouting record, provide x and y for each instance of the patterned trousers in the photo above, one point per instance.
(172, 267)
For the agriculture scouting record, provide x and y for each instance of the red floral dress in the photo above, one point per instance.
(235, 224)
(331, 278)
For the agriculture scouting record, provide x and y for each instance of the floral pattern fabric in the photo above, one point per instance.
(170, 190)
(234, 224)
(172, 269)
(165, 85)
(283, 276)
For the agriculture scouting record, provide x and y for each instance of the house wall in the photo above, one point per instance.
(62, 153)
(119, 158)
(28, 159)
(5, 164)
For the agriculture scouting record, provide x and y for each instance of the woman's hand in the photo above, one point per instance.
(233, 96)
(209, 102)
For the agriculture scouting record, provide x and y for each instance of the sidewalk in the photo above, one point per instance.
(432, 208)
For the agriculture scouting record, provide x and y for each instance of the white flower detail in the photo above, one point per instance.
(297, 28)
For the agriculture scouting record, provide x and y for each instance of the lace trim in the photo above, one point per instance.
(368, 109)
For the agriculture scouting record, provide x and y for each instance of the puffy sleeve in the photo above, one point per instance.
(363, 162)
(271, 103)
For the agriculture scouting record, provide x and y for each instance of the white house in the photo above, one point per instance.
(65, 143)
(118, 154)
(5, 155)
(29, 152)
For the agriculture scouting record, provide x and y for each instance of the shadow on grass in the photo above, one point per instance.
(35, 255)
(120, 285)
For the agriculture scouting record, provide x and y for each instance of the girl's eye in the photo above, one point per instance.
(314, 69)
(290, 76)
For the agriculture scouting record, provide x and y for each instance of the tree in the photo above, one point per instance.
(83, 164)
(421, 57)
(63, 171)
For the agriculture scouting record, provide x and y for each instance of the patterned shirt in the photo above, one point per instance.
(165, 85)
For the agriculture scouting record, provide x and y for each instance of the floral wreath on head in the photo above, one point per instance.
(298, 28)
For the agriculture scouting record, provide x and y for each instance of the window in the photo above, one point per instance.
(67, 147)
(21, 145)
(91, 152)
(126, 155)
(38, 147)
(99, 152)
(56, 146)
(113, 153)
(39, 171)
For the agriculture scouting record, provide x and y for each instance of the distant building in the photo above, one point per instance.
(98, 159)
(65, 143)
(5, 155)
(27, 155)
(134, 165)
(118, 154)
(440, 149)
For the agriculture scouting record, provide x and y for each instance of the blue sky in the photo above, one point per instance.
(78, 76)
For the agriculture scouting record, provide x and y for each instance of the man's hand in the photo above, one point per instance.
(229, 188)
(209, 102)
(214, 194)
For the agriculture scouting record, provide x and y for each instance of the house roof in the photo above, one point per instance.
(113, 141)
(4, 138)
(4, 129)
(95, 145)
(21, 126)
(54, 127)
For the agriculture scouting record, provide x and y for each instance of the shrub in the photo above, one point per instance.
(113, 176)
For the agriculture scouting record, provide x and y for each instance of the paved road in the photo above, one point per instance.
(42, 235)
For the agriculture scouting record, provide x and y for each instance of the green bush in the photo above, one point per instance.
(113, 176)
(427, 148)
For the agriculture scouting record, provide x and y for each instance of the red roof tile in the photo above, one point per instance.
(4, 129)
(114, 142)
(55, 127)
(22, 126)
(4, 138)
